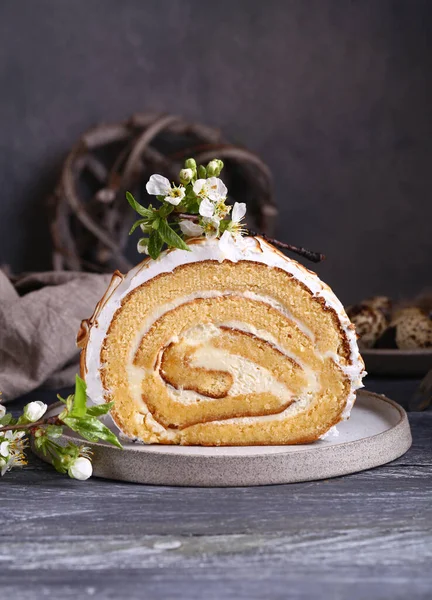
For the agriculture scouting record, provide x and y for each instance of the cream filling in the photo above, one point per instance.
(248, 377)
(254, 250)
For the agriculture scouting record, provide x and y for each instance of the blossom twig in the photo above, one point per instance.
(70, 458)
(31, 426)
(309, 254)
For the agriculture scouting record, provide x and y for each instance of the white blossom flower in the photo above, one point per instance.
(158, 185)
(16, 459)
(80, 469)
(212, 188)
(2, 411)
(35, 410)
(191, 229)
(16, 443)
(4, 449)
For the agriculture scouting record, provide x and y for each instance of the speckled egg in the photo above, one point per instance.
(413, 329)
(369, 322)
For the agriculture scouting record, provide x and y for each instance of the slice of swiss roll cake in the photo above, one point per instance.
(225, 344)
(220, 339)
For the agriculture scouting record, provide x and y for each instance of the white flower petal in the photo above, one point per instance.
(81, 469)
(5, 465)
(215, 188)
(238, 212)
(191, 229)
(172, 200)
(12, 436)
(158, 185)
(2, 411)
(4, 449)
(226, 243)
(206, 208)
(198, 186)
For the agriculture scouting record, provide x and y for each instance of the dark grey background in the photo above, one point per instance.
(335, 95)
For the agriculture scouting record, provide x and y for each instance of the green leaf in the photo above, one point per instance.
(54, 431)
(6, 420)
(141, 210)
(156, 223)
(170, 237)
(191, 206)
(80, 398)
(155, 244)
(90, 428)
(100, 409)
(137, 224)
(40, 443)
(202, 173)
(166, 210)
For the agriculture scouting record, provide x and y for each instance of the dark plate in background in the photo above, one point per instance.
(414, 363)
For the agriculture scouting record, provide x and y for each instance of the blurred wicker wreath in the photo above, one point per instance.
(91, 218)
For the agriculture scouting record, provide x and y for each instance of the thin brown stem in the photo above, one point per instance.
(30, 426)
(187, 217)
(304, 252)
(315, 257)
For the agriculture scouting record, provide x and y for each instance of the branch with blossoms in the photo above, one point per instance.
(194, 208)
(73, 459)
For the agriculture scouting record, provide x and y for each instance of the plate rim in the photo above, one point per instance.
(396, 351)
(138, 448)
(258, 453)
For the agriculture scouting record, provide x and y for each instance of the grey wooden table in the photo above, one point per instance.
(362, 536)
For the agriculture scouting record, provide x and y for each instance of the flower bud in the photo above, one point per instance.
(35, 411)
(2, 411)
(186, 176)
(214, 168)
(80, 469)
(142, 246)
(190, 163)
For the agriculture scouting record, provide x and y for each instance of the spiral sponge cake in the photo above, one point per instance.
(207, 348)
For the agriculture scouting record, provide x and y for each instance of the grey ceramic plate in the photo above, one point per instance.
(377, 433)
(397, 362)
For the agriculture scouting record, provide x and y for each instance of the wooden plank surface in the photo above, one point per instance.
(367, 535)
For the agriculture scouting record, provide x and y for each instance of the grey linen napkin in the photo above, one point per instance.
(40, 314)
